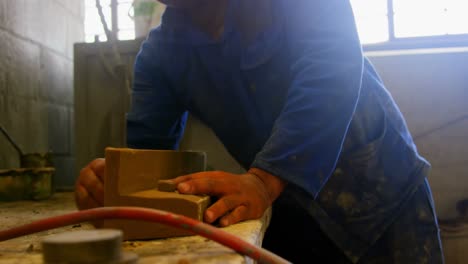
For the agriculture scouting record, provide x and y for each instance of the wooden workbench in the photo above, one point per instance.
(192, 249)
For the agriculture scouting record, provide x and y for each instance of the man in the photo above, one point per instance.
(286, 88)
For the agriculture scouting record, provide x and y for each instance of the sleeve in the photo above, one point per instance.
(156, 119)
(326, 65)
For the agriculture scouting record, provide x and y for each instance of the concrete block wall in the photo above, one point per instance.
(36, 79)
(199, 137)
(431, 88)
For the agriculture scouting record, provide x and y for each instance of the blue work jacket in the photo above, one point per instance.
(300, 102)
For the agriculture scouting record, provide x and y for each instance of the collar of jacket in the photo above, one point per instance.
(176, 28)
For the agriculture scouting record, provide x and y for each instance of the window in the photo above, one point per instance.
(412, 22)
(438, 17)
(118, 19)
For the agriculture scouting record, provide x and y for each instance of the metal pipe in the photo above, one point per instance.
(10, 139)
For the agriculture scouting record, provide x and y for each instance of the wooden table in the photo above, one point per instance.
(192, 249)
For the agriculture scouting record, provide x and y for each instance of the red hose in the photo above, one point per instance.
(136, 213)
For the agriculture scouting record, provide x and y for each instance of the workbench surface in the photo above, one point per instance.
(191, 249)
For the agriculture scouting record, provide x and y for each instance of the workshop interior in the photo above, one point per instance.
(66, 83)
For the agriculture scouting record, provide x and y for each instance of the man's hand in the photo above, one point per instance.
(89, 188)
(241, 197)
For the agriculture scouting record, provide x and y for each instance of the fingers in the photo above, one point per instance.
(89, 188)
(189, 177)
(200, 186)
(237, 215)
(209, 183)
(200, 175)
(181, 179)
(92, 184)
(83, 199)
(98, 166)
(221, 207)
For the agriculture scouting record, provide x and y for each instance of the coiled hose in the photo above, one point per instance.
(136, 213)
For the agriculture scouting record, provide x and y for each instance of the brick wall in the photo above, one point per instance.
(36, 79)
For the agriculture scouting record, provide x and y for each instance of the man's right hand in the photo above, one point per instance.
(89, 188)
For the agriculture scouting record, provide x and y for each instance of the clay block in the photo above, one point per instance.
(166, 186)
(132, 178)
